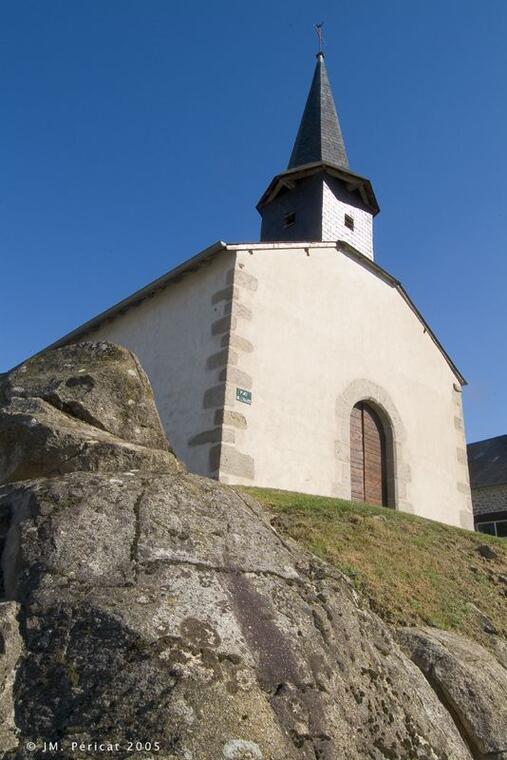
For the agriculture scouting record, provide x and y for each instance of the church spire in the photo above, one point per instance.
(317, 198)
(319, 137)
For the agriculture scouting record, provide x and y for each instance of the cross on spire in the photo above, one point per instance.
(320, 35)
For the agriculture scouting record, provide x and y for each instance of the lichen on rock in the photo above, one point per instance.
(157, 606)
(470, 682)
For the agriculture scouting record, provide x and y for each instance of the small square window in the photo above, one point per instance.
(289, 219)
(349, 221)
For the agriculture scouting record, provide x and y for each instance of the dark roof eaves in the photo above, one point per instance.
(482, 484)
(133, 300)
(316, 166)
(212, 250)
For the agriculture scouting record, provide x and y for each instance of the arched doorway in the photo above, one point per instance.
(368, 456)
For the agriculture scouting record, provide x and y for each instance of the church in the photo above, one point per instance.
(298, 362)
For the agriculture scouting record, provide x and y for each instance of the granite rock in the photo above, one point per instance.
(146, 604)
(470, 682)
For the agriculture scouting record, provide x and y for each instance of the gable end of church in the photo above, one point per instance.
(297, 362)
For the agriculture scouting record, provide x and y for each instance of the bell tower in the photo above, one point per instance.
(318, 198)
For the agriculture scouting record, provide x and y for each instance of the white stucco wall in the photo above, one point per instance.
(319, 332)
(310, 331)
(171, 335)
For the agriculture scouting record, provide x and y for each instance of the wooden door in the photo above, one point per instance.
(367, 456)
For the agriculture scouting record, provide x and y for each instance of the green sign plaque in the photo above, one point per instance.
(244, 396)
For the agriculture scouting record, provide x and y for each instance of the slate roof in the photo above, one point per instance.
(487, 462)
(319, 137)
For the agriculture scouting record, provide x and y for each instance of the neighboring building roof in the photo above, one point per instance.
(487, 462)
(191, 265)
(319, 137)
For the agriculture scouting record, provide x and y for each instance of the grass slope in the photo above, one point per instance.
(414, 571)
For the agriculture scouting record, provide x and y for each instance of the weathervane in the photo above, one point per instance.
(320, 35)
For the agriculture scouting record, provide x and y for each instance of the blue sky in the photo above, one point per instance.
(135, 133)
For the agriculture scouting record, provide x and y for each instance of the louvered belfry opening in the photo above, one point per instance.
(368, 456)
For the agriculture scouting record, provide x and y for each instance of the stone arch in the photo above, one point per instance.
(397, 467)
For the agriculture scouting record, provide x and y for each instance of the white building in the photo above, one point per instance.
(297, 362)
